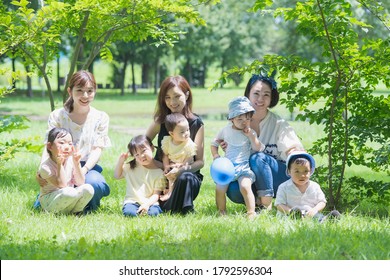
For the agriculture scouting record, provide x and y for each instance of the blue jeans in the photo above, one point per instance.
(130, 209)
(270, 173)
(96, 179)
(100, 187)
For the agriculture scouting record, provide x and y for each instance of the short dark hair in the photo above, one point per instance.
(267, 80)
(172, 120)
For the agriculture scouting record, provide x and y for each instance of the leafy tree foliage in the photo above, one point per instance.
(356, 121)
(36, 35)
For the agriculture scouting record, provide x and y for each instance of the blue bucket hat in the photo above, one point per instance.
(300, 154)
(238, 106)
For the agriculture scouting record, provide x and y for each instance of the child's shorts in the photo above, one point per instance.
(243, 169)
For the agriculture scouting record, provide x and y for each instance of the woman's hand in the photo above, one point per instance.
(42, 182)
(223, 145)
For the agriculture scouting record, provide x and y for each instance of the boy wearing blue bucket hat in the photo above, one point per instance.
(241, 142)
(300, 195)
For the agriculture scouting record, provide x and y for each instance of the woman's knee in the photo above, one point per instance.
(98, 183)
(187, 176)
(257, 159)
(188, 180)
(234, 193)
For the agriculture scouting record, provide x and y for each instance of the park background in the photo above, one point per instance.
(217, 59)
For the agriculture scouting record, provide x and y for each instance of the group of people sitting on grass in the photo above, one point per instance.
(268, 157)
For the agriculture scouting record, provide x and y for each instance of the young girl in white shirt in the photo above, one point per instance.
(145, 180)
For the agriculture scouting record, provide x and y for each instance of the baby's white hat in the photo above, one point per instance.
(300, 154)
(238, 106)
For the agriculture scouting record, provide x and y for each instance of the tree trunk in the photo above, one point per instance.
(123, 75)
(13, 71)
(157, 75)
(134, 86)
(58, 75)
(29, 92)
(75, 54)
(145, 75)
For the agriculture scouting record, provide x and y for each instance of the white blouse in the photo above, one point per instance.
(93, 133)
(278, 136)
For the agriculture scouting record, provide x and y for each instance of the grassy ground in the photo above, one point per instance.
(29, 234)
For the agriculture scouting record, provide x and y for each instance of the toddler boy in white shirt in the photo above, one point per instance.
(299, 194)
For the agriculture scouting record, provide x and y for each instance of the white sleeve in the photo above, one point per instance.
(287, 140)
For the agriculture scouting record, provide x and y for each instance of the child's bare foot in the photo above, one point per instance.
(251, 215)
(222, 212)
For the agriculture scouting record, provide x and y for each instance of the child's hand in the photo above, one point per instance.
(143, 209)
(76, 154)
(172, 174)
(249, 132)
(124, 156)
(165, 191)
(311, 212)
(165, 197)
(61, 158)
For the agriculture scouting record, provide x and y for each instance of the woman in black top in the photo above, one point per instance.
(175, 96)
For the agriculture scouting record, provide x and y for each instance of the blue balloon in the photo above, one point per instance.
(222, 171)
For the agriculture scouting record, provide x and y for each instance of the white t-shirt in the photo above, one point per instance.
(141, 183)
(93, 133)
(288, 194)
(239, 147)
(278, 136)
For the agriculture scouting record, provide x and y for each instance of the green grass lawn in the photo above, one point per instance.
(106, 234)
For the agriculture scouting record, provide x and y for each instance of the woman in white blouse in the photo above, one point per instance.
(278, 137)
(89, 129)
